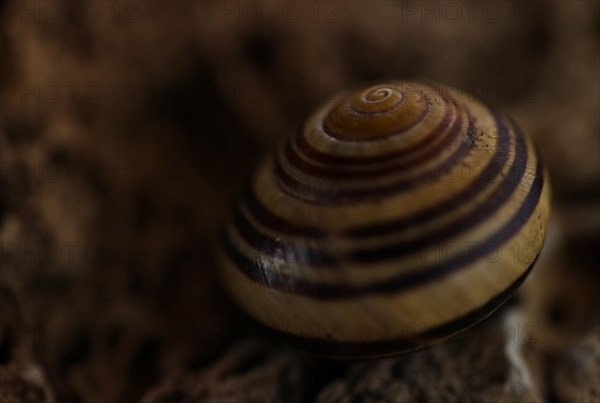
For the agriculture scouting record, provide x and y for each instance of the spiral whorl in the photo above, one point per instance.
(375, 113)
(397, 215)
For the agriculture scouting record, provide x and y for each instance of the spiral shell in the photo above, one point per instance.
(398, 215)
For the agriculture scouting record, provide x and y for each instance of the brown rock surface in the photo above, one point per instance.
(110, 204)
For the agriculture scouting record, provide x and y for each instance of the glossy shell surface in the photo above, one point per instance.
(397, 215)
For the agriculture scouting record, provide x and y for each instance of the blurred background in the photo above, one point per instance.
(127, 127)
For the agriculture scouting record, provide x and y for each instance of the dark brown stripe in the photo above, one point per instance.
(330, 159)
(382, 348)
(278, 281)
(330, 194)
(275, 248)
(322, 257)
(492, 204)
(272, 221)
(256, 272)
(344, 174)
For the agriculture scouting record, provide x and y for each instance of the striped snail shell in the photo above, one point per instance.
(396, 216)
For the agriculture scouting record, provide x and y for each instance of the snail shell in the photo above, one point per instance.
(398, 215)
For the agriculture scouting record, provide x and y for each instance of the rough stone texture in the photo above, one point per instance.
(255, 369)
(109, 265)
(21, 378)
(487, 358)
(577, 374)
(477, 358)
